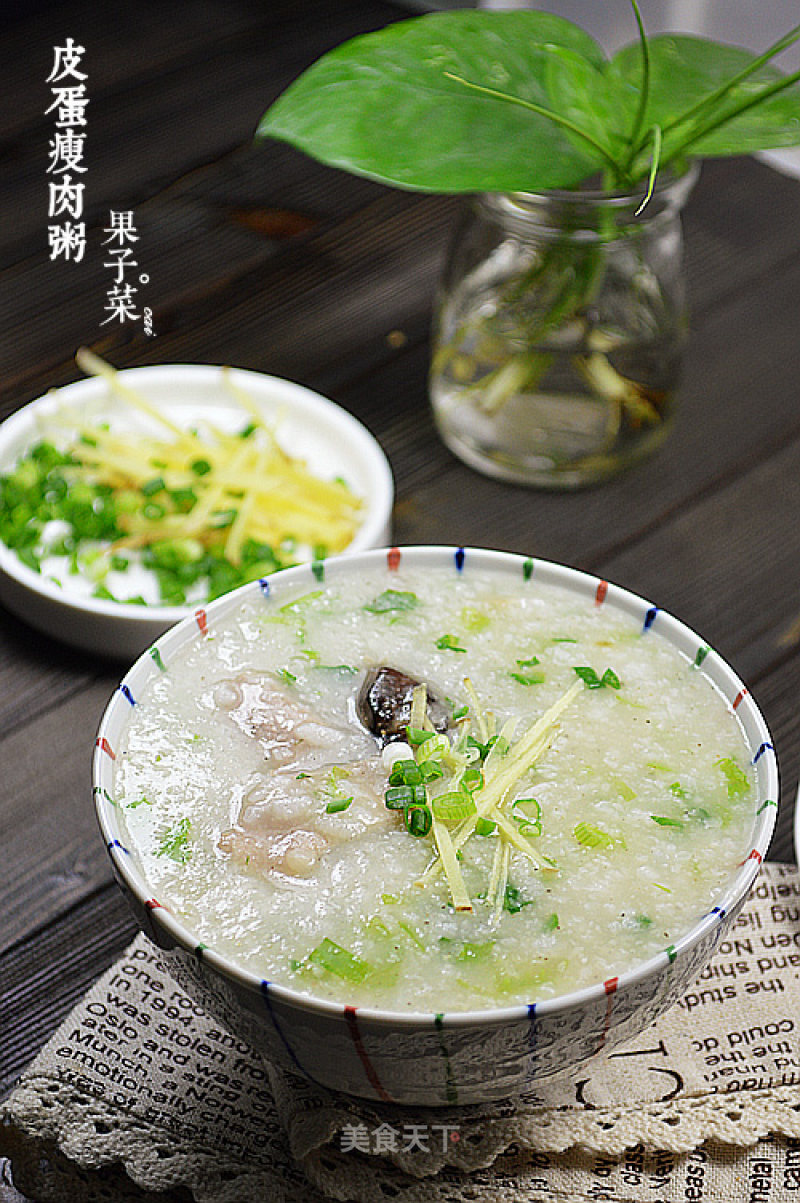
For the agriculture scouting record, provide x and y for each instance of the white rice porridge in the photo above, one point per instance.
(566, 798)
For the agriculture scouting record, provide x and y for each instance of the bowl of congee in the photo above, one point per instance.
(429, 825)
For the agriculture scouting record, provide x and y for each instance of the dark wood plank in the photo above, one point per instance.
(173, 121)
(122, 43)
(45, 974)
(201, 251)
(52, 851)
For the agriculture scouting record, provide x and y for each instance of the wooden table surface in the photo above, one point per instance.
(259, 257)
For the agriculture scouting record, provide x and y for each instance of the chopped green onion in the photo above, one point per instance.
(156, 485)
(449, 643)
(528, 678)
(339, 961)
(453, 807)
(417, 736)
(664, 821)
(513, 901)
(471, 779)
(485, 827)
(430, 770)
(529, 823)
(551, 922)
(529, 662)
(474, 620)
(392, 601)
(405, 772)
(143, 801)
(475, 952)
(200, 467)
(175, 842)
(591, 836)
(593, 681)
(418, 820)
(738, 784)
(286, 676)
(397, 797)
(412, 935)
(337, 805)
(301, 603)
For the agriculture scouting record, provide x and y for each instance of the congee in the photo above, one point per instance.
(433, 791)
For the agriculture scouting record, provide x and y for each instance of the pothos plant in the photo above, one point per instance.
(527, 102)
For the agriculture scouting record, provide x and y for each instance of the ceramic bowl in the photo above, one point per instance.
(310, 427)
(426, 1059)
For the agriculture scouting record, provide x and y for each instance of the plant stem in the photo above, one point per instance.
(644, 92)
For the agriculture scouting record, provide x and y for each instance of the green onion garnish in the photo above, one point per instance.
(471, 779)
(593, 681)
(528, 678)
(175, 842)
(474, 620)
(449, 643)
(528, 813)
(475, 952)
(417, 736)
(453, 807)
(337, 960)
(337, 805)
(485, 827)
(200, 467)
(591, 836)
(664, 821)
(431, 770)
(738, 784)
(529, 662)
(405, 772)
(513, 901)
(392, 601)
(397, 797)
(418, 820)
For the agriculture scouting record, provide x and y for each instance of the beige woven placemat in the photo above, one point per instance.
(139, 1086)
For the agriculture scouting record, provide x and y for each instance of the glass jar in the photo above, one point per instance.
(558, 332)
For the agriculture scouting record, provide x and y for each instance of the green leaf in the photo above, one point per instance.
(174, 842)
(392, 601)
(385, 105)
(591, 97)
(685, 70)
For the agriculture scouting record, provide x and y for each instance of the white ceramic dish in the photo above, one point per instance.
(310, 427)
(464, 1056)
